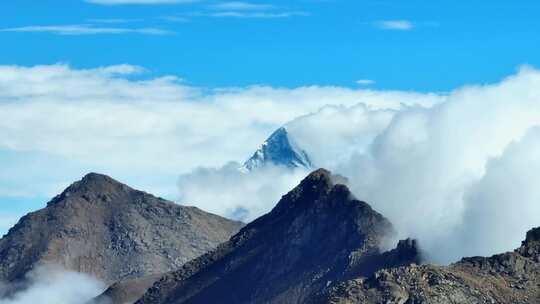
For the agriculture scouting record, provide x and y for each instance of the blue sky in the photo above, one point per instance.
(263, 63)
(426, 45)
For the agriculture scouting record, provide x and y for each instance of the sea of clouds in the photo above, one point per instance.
(457, 170)
(459, 174)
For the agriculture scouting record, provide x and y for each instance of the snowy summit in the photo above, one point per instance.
(278, 150)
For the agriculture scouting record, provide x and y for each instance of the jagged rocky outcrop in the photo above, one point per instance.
(278, 150)
(106, 229)
(512, 277)
(317, 236)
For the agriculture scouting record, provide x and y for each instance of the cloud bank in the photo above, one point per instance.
(460, 175)
(446, 169)
(58, 123)
(235, 194)
(51, 284)
(457, 175)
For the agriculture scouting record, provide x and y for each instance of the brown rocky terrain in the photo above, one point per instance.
(318, 245)
(318, 234)
(512, 277)
(106, 229)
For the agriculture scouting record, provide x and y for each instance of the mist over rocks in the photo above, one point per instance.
(51, 284)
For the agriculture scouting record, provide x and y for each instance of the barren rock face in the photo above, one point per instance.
(512, 277)
(317, 235)
(106, 229)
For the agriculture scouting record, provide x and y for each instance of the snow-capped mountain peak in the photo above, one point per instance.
(278, 150)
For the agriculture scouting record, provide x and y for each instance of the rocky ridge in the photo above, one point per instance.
(316, 236)
(106, 229)
(512, 277)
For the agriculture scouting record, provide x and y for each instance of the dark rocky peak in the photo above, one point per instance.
(315, 235)
(315, 191)
(530, 247)
(95, 187)
(533, 236)
(407, 252)
(95, 182)
(106, 229)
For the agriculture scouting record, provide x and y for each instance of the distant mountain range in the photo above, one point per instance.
(279, 149)
(318, 245)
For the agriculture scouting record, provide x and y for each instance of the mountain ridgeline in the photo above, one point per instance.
(512, 277)
(316, 236)
(318, 245)
(110, 231)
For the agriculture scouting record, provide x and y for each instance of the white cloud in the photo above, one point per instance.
(52, 284)
(83, 29)
(446, 169)
(459, 174)
(430, 170)
(241, 6)
(137, 2)
(235, 194)
(252, 15)
(503, 204)
(365, 82)
(59, 123)
(400, 25)
(334, 133)
(113, 20)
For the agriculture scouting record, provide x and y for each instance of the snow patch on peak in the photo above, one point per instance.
(278, 150)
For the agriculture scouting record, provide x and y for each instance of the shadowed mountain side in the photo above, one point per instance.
(126, 291)
(317, 235)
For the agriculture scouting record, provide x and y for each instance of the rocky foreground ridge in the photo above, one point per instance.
(512, 277)
(318, 245)
(106, 229)
(316, 236)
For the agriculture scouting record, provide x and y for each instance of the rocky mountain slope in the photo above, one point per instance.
(278, 150)
(316, 236)
(106, 229)
(512, 277)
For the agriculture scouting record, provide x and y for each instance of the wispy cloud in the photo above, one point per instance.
(175, 19)
(365, 82)
(243, 14)
(139, 2)
(241, 6)
(113, 20)
(399, 25)
(84, 30)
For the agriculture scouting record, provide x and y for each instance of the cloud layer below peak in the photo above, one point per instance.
(450, 170)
